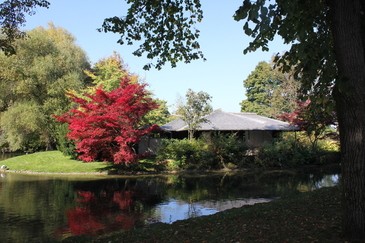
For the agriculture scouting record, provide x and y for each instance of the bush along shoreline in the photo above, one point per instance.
(218, 153)
(226, 151)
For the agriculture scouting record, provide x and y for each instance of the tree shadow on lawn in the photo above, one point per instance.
(145, 166)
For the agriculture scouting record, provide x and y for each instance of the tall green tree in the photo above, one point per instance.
(269, 92)
(260, 85)
(159, 115)
(328, 51)
(193, 109)
(44, 67)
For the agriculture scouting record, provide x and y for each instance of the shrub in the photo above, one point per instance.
(293, 150)
(329, 145)
(285, 152)
(181, 154)
(214, 151)
(65, 145)
(228, 150)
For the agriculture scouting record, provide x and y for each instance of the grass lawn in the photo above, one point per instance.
(52, 162)
(303, 217)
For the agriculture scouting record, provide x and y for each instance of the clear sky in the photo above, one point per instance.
(222, 41)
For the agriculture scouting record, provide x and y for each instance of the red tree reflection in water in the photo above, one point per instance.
(123, 199)
(106, 213)
(81, 221)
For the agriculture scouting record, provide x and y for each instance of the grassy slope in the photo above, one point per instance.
(51, 162)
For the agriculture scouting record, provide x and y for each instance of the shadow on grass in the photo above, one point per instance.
(144, 166)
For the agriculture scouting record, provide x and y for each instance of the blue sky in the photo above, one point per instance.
(222, 41)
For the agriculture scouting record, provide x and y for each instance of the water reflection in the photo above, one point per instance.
(39, 208)
(175, 210)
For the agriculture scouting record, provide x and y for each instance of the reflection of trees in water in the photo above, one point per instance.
(31, 206)
(109, 205)
(122, 203)
(248, 185)
(92, 216)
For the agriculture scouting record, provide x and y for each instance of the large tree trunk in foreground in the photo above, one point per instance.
(350, 101)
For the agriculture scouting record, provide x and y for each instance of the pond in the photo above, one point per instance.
(35, 208)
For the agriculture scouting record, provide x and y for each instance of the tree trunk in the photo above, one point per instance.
(191, 134)
(349, 93)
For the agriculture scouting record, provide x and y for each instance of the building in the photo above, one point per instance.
(253, 128)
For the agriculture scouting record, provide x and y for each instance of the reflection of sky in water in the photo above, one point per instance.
(178, 210)
(327, 181)
(174, 210)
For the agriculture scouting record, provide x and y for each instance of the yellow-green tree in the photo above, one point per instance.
(108, 72)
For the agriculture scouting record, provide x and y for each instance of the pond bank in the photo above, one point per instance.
(303, 217)
(55, 163)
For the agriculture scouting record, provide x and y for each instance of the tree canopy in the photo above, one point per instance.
(270, 92)
(193, 109)
(33, 83)
(12, 17)
(107, 73)
(328, 50)
(107, 125)
(165, 28)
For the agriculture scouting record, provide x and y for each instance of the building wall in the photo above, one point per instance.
(258, 138)
(148, 145)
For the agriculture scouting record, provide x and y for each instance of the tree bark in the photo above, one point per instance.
(349, 93)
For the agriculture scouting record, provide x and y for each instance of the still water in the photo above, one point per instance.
(37, 208)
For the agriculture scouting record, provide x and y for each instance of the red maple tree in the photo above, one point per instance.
(106, 125)
(299, 117)
(312, 118)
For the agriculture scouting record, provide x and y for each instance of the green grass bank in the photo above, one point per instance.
(52, 162)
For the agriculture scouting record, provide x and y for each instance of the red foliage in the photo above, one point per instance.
(311, 117)
(298, 117)
(106, 125)
(85, 196)
(93, 217)
(81, 221)
(124, 199)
